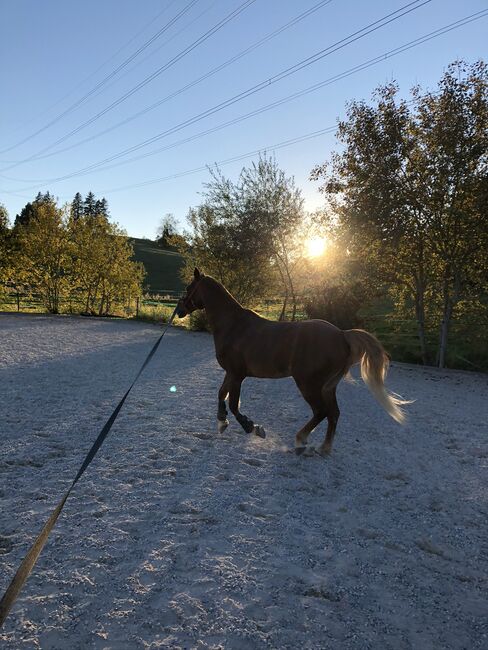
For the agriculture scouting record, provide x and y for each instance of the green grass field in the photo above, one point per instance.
(162, 266)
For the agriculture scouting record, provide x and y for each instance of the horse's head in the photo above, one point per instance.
(193, 297)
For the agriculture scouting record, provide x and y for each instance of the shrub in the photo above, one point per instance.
(199, 321)
(337, 304)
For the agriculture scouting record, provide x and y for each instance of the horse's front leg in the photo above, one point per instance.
(247, 424)
(222, 421)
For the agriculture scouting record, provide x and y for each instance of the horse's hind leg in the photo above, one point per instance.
(313, 396)
(301, 438)
(222, 421)
(333, 413)
(247, 424)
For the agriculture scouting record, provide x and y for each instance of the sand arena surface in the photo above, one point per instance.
(177, 537)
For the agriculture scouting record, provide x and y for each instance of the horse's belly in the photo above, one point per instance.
(269, 373)
(270, 363)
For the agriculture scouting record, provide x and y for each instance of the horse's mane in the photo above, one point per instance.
(225, 293)
(216, 285)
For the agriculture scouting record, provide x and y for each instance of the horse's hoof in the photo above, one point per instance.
(259, 431)
(309, 451)
(299, 450)
(222, 425)
(324, 452)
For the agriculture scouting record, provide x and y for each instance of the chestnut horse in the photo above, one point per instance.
(315, 353)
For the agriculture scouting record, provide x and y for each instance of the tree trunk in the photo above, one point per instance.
(292, 290)
(446, 319)
(102, 301)
(449, 303)
(420, 317)
(283, 309)
(285, 287)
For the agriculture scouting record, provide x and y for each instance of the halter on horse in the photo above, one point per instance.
(315, 353)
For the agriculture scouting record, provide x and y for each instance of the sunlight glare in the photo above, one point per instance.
(316, 246)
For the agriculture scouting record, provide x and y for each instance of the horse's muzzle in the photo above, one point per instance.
(180, 310)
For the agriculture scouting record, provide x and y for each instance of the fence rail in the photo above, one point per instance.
(399, 335)
(27, 300)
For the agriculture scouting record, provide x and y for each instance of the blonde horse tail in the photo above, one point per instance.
(367, 350)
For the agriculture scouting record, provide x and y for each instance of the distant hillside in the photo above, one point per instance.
(162, 266)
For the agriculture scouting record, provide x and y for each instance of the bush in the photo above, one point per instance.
(199, 321)
(337, 304)
(154, 313)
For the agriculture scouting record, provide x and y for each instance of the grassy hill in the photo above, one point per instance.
(162, 266)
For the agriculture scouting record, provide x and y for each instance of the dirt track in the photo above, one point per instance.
(180, 538)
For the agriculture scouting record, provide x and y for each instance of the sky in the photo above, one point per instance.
(72, 72)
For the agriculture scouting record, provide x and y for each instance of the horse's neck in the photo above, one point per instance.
(221, 308)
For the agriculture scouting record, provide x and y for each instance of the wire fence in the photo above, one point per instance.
(31, 301)
(398, 335)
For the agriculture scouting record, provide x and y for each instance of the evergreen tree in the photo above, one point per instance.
(101, 208)
(25, 216)
(29, 211)
(77, 207)
(89, 206)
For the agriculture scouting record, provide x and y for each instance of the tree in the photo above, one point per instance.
(89, 205)
(166, 230)
(273, 215)
(29, 211)
(25, 215)
(212, 245)
(101, 207)
(4, 222)
(408, 191)
(44, 254)
(76, 211)
(101, 266)
(452, 152)
(4, 241)
(119, 275)
(247, 233)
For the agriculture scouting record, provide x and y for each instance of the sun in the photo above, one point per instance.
(316, 246)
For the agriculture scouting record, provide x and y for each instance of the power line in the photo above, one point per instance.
(80, 101)
(154, 51)
(186, 87)
(220, 163)
(362, 66)
(94, 72)
(227, 161)
(385, 20)
(147, 80)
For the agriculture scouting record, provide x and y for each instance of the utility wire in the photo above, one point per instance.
(186, 87)
(227, 161)
(385, 20)
(107, 78)
(154, 51)
(94, 72)
(362, 66)
(147, 80)
(220, 163)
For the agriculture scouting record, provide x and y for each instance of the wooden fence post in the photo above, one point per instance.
(137, 306)
(18, 301)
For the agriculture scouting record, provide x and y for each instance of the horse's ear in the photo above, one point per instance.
(196, 274)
